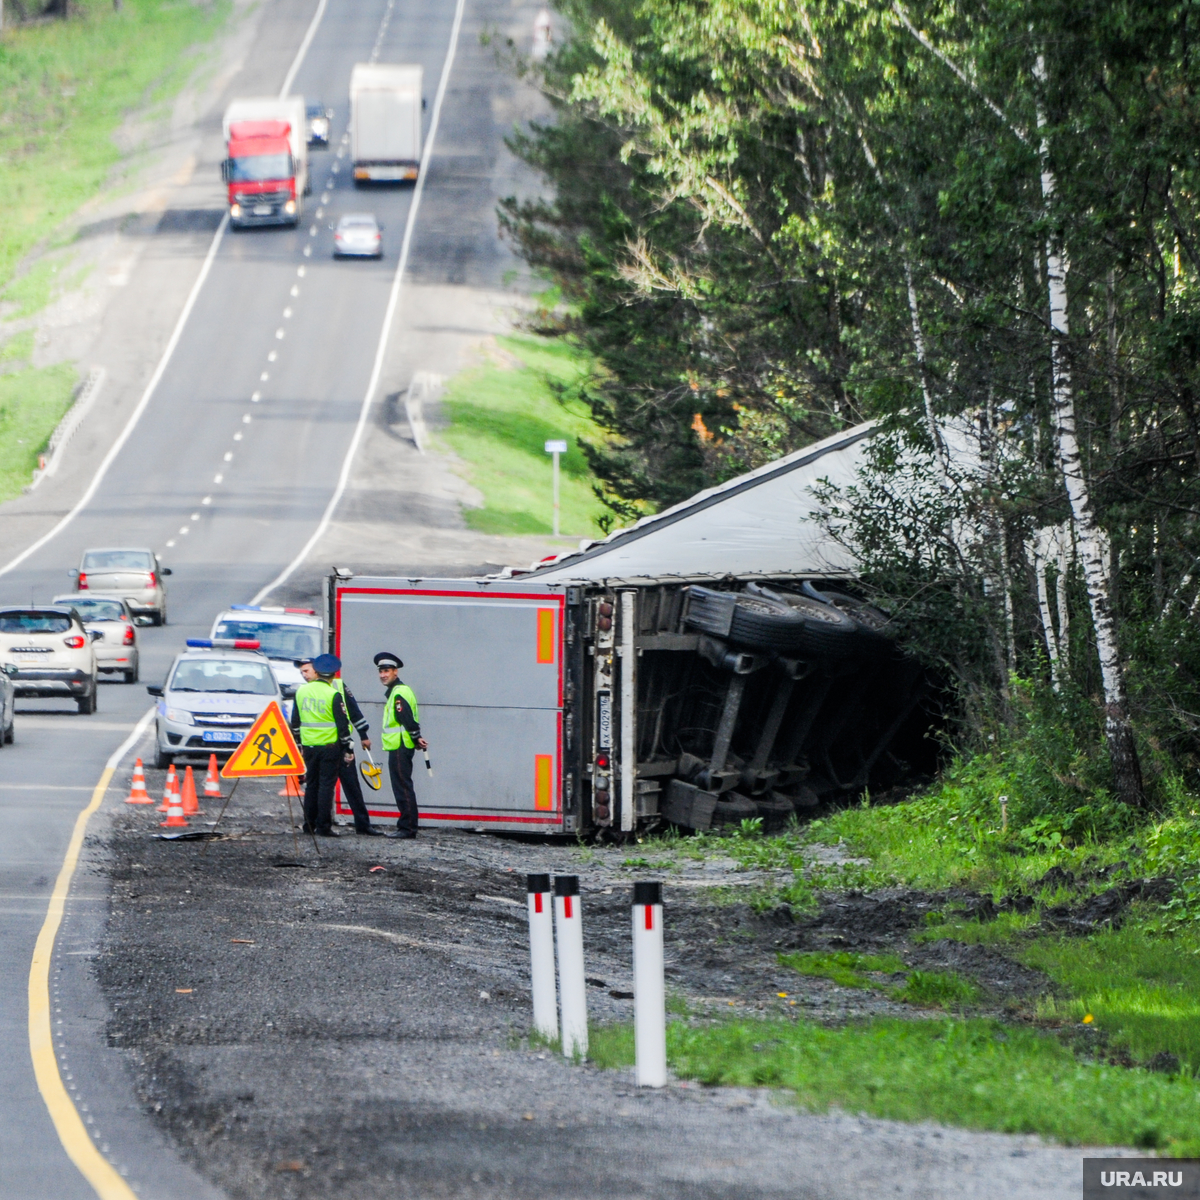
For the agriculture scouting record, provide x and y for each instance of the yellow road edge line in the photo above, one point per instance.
(72, 1132)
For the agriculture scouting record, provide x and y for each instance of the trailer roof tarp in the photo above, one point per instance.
(761, 523)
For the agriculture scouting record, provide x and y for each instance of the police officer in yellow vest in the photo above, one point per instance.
(319, 720)
(347, 775)
(401, 736)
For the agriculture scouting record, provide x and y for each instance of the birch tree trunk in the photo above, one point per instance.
(1089, 538)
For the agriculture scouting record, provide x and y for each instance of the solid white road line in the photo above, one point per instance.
(304, 45)
(135, 416)
(115, 449)
(389, 315)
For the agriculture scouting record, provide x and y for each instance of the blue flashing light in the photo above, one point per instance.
(245, 608)
(200, 643)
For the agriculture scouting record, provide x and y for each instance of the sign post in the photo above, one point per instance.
(556, 448)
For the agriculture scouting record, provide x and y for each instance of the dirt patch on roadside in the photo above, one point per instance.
(355, 1024)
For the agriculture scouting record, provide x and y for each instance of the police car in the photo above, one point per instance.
(285, 635)
(213, 693)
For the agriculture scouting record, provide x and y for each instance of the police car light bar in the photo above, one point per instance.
(245, 608)
(223, 644)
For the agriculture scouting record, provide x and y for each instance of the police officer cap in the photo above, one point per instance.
(299, 662)
(386, 659)
(326, 664)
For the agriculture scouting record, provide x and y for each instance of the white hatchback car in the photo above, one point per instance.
(52, 652)
(116, 647)
(132, 575)
(285, 635)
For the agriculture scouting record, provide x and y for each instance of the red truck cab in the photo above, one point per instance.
(261, 174)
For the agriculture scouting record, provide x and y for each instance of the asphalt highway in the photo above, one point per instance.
(226, 476)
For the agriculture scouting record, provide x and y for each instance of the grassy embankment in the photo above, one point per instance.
(501, 417)
(1109, 1054)
(66, 87)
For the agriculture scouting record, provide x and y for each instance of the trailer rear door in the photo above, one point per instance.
(485, 661)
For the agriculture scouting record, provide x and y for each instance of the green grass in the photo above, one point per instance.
(17, 349)
(1142, 991)
(67, 86)
(977, 1074)
(845, 968)
(500, 419)
(937, 989)
(32, 403)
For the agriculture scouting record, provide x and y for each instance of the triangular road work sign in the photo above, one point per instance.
(268, 749)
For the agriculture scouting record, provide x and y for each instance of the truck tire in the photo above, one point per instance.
(866, 616)
(732, 809)
(775, 810)
(759, 618)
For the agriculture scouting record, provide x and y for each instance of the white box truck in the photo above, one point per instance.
(265, 186)
(385, 116)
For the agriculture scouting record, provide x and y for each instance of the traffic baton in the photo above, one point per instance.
(428, 764)
(370, 772)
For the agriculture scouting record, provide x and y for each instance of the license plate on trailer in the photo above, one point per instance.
(262, 210)
(223, 735)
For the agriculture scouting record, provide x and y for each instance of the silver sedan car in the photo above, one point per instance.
(358, 235)
(116, 647)
(134, 576)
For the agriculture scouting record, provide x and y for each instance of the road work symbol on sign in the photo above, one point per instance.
(268, 749)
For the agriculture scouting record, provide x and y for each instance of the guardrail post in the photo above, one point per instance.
(541, 957)
(649, 989)
(572, 990)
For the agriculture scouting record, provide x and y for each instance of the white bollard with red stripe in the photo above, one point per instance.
(541, 957)
(649, 988)
(572, 990)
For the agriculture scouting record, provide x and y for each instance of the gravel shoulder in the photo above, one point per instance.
(356, 1026)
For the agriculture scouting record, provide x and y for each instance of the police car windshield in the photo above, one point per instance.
(275, 641)
(223, 675)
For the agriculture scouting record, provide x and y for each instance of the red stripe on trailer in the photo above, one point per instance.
(567, 907)
(556, 772)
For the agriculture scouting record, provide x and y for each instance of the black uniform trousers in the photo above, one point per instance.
(400, 768)
(321, 766)
(352, 790)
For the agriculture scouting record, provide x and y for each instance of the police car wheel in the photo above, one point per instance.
(161, 761)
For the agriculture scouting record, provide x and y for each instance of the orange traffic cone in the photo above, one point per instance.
(188, 802)
(291, 787)
(212, 781)
(170, 789)
(137, 792)
(175, 818)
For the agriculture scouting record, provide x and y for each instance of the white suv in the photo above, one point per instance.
(52, 652)
(286, 635)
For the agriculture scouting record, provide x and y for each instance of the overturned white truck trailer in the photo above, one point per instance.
(708, 665)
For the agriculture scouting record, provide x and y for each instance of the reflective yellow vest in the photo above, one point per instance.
(315, 702)
(394, 734)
